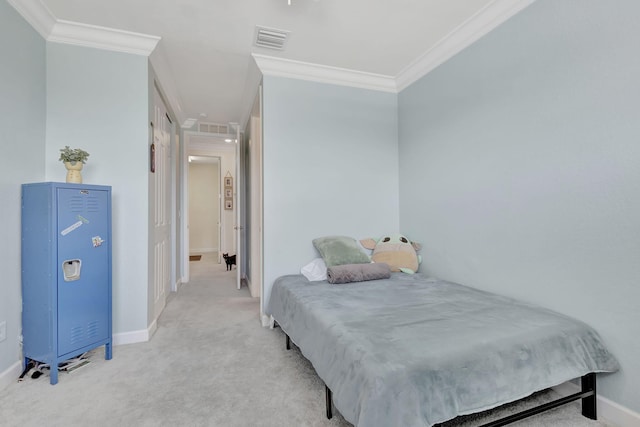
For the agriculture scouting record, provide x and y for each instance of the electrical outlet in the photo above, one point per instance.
(3, 330)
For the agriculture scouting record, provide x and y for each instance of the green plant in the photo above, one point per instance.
(73, 155)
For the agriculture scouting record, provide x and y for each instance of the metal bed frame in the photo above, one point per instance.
(587, 394)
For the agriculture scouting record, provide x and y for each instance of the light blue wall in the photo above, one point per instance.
(330, 167)
(98, 100)
(22, 136)
(520, 169)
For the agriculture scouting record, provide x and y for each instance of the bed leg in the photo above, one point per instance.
(328, 402)
(589, 408)
(287, 342)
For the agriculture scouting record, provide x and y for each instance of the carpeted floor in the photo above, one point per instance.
(210, 363)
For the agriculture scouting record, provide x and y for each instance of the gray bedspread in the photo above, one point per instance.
(414, 351)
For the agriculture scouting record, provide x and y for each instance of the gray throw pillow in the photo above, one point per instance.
(340, 250)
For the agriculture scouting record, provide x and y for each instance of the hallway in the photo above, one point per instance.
(215, 280)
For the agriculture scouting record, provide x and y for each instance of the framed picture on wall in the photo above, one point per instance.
(228, 192)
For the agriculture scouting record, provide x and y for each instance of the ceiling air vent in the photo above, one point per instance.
(213, 128)
(271, 38)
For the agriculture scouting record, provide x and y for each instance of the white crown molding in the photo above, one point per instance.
(487, 19)
(61, 31)
(103, 38)
(36, 14)
(75, 33)
(470, 31)
(272, 66)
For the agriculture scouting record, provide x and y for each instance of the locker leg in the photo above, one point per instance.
(108, 352)
(53, 373)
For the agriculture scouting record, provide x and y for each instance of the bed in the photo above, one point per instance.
(417, 351)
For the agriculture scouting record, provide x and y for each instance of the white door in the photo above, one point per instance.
(160, 202)
(239, 209)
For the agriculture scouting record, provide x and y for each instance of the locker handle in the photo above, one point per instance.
(71, 269)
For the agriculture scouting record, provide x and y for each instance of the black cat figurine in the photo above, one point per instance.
(229, 260)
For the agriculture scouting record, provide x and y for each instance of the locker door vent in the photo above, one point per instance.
(92, 329)
(93, 204)
(76, 335)
(76, 204)
(82, 336)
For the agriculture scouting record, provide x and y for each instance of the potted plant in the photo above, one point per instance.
(73, 159)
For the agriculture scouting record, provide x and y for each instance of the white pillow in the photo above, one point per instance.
(315, 271)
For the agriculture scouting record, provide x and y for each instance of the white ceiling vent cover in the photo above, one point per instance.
(271, 38)
(208, 127)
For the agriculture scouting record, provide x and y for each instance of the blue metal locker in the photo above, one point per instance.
(66, 271)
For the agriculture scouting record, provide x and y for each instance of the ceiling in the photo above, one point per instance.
(207, 45)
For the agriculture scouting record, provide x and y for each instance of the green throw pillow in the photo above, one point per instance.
(340, 250)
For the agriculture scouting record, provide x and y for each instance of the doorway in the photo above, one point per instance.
(204, 207)
(203, 147)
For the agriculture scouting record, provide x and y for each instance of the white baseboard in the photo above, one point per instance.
(609, 411)
(153, 328)
(176, 286)
(11, 374)
(265, 320)
(615, 414)
(133, 337)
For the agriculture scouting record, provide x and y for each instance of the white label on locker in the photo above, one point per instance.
(70, 228)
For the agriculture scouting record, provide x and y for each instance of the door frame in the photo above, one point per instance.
(240, 206)
(255, 141)
(200, 144)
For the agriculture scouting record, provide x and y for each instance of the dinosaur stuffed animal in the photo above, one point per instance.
(395, 250)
